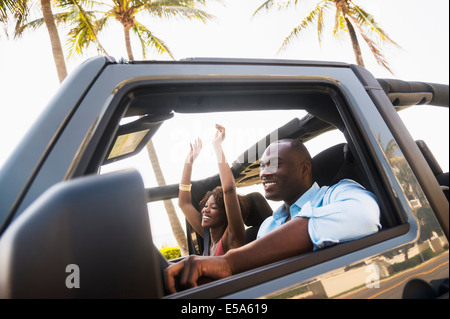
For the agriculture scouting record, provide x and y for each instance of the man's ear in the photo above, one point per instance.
(306, 168)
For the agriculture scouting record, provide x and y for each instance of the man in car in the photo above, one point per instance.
(311, 218)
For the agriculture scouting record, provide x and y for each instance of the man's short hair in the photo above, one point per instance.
(297, 146)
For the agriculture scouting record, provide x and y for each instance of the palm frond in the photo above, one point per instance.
(367, 21)
(84, 19)
(306, 22)
(376, 51)
(142, 41)
(81, 36)
(79, 39)
(32, 25)
(339, 24)
(153, 5)
(37, 23)
(165, 3)
(320, 20)
(6, 8)
(17, 12)
(12, 8)
(266, 5)
(77, 42)
(320, 26)
(147, 38)
(179, 11)
(278, 4)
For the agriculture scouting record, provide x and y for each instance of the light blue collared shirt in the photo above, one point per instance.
(338, 213)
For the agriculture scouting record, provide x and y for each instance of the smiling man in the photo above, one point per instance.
(285, 171)
(338, 213)
(310, 218)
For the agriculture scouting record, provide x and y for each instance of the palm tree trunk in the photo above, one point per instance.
(355, 44)
(175, 224)
(58, 54)
(126, 30)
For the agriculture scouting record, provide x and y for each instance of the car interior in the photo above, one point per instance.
(325, 109)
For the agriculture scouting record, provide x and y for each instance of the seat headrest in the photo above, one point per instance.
(327, 164)
(259, 209)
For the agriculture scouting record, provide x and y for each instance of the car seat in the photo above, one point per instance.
(335, 163)
(259, 210)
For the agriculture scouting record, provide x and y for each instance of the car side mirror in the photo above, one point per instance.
(85, 238)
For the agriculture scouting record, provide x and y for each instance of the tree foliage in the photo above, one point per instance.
(348, 18)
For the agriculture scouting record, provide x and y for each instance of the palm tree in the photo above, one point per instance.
(55, 41)
(5, 7)
(20, 11)
(348, 17)
(175, 224)
(131, 14)
(8, 9)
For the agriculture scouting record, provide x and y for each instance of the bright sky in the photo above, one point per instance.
(28, 77)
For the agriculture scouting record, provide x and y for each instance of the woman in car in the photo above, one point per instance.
(223, 211)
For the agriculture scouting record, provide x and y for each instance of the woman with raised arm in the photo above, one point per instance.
(223, 211)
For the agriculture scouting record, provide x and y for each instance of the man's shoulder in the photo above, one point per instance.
(347, 183)
(348, 188)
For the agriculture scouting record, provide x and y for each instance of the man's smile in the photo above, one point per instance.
(269, 184)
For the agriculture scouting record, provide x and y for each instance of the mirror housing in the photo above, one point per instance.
(85, 238)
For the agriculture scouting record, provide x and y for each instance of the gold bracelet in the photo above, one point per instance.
(186, 188)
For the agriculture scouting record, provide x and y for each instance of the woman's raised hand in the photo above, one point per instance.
(220, 135)
(194, 151)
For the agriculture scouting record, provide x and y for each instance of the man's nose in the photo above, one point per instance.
(262, 173)
(265, 171)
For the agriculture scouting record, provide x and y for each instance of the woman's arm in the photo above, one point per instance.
(184, 196)
(234, 235)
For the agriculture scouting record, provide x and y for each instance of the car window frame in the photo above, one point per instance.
(296, 264)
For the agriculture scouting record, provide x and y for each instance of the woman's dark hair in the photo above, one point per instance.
(217, 193)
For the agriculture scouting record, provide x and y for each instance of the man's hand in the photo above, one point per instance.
(195, 269)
